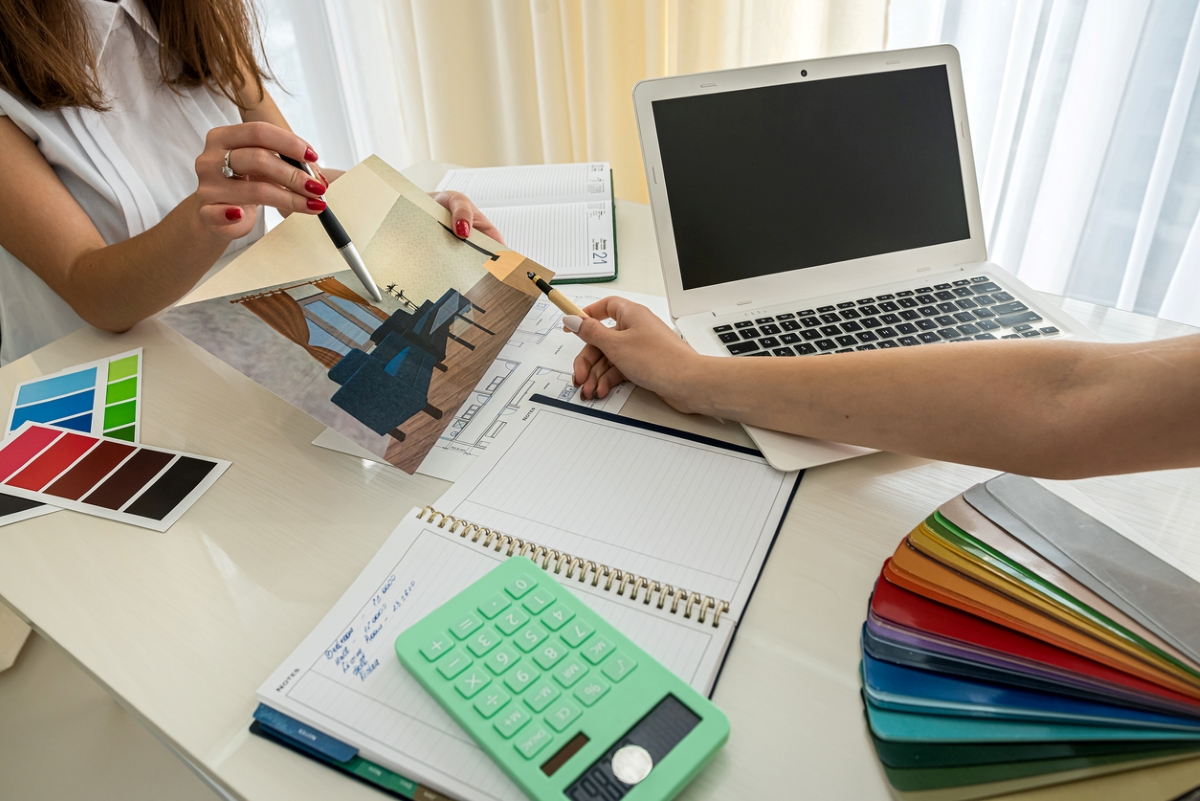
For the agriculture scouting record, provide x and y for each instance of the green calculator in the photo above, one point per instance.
(564, 703)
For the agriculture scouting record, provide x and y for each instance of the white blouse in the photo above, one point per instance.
(126, 167)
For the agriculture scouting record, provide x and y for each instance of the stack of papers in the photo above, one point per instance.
(1013, 641)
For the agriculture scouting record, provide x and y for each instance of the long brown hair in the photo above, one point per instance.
(46, 57)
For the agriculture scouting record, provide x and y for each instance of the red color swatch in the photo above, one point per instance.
(90, 469)
(15, 454)
(52, 461)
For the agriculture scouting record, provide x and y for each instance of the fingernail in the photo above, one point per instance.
(463, 228)
(310, 154)
(572, 322)
(316, 205)
(233, 214)
(316, 187)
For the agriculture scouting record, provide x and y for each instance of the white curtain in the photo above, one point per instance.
(1086, 140)
(492, 82)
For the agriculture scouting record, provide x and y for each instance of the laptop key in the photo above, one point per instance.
(985, 286)
(944, 320)
(908, 303)
(810, 334)
(805, 313)
(889, 343)
(904, 293)
(809, 321)
(851, 326)
(910, 314)
(762, 320)
(948, 333)
(888, 306)
(979, 279)
(871, 322)
(909, 341)
(886, 332)
(830, 330)
(944, 295)
(967, 303)
(760, 353)
(987, 325)
(844, 350)
(927, 300)
(804, 349)
(769, 342)
(1020, 328)
(963, 292)
(825, 308)
(1010, 308)
(1003, 297)
(984, 313)
(985, 300)
(790, 325)
(965, 317)
(924, 289)
(744, 324)
(926, 325)
(890, 319)
(961, 282)
(783, 351)
(850, 314)
(969, 329)
(929, 337)
(869, 309)
(867, 336)
(865, 347)
(790, 339)
(826, 344)
(1011, 336)
(845, 340)
(830, 318)
(749, 333)
(906, 328)
(947, 307)
(941, 286)
(884, 297)
(722, 328)
(729, 336)
(846, 304)
(1050, 331)
(984, 336)
(769, 328)
(1031, 334)
(785, 316)
(928, 311)
(1016, 319)
(738, 348)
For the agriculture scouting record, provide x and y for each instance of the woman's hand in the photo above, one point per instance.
(228, 207)
(640, 347)
(465, 215)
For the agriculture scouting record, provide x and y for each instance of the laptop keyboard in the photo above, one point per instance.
(961, 311)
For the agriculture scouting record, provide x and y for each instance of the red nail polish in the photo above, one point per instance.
(233, 214)
(463, 228)
(316, 187)
(316, 205)
(310, 154)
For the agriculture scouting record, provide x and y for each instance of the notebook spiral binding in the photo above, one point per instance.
(693, 601)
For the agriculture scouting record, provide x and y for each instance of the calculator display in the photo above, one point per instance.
(658, 733)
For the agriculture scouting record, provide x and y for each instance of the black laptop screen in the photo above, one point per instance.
(785, 177)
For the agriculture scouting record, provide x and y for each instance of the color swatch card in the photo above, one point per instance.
(100, 397)
(105, 477)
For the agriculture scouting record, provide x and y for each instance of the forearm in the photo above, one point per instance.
(1054, 409)
(117, 286)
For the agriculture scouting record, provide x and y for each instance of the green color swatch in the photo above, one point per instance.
(127, 433)
(122, 368)
(121, 414)
(121, 391)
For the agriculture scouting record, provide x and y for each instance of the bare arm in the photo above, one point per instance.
(1056, 409)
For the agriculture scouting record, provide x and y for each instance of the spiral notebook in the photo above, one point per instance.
(662, 532)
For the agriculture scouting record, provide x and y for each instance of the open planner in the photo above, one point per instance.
(662, 533)
(559, 215)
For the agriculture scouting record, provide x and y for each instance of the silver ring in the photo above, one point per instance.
(227, 171)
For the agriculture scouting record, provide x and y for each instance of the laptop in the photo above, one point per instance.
(818, 208)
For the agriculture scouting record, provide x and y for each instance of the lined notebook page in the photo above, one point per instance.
(680, 512)
(345, 679)
(536, 184)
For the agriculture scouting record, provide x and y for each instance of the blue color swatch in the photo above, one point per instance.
(56, 387)
(61, 408)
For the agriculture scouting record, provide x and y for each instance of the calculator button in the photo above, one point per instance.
(538, 600)
(570, 672)
(436, 647)
(454, 663)
(576, 633)
(528, 638)
(483, 642)
(520, 585)
(591, 691)
(511, 721)
(502, 659)
(491, 702)
(466, 626)
(549, 654)
(511, 620)
(494, 605)
(562, 714)
(521, 678)
(620, 666)
(555, 618)
(533, 741)
(472, 682)
(597, 650)
(541, 694)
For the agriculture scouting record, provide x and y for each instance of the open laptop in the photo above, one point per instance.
(822, 207)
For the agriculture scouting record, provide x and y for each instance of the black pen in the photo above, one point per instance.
(341, 239)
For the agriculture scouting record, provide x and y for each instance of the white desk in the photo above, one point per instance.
(182, 627)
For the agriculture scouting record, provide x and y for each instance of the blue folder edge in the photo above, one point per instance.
(630, 422)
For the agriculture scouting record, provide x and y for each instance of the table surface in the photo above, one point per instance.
(182, 627)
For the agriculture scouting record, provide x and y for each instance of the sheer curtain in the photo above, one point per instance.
(1086, 139)
(490, 82)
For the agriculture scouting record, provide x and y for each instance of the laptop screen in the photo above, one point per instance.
(780, 178)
